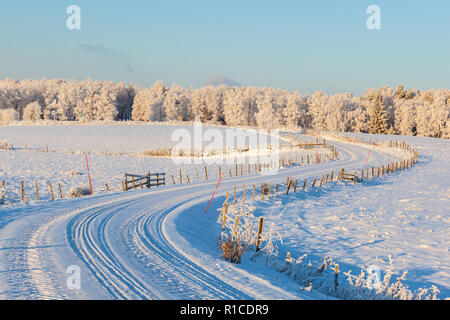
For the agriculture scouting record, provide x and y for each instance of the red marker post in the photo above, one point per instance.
(89, 174)
(217, 187)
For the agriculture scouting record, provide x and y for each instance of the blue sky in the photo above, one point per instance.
(295, 45)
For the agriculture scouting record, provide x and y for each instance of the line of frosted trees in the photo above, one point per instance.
(383, 111)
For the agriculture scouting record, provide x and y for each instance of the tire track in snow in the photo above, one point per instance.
(87, 239)
(92, 234)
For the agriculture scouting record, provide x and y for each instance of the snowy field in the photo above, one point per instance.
(160, 243)
(110, 155)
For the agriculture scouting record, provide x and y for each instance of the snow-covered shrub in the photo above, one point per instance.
(5, 145)
(270, 248)
(76, 192)
(323, 277)
(33, 111)
(9, 115)
(2, 195)
(231, 247)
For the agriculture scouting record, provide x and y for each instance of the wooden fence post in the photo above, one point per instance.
(51, 191)
(304, 185)
(224, 219)
(243, 197)
(22, 192)
(196, 173)
(173, 180)
(37, 190)
(295, 186)
(253, 193)
(60, 190)
(126, 182)
(289, 186)
(206, 173)
(132, 180)
(260, 228)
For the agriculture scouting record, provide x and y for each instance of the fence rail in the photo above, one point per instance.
(133, 181)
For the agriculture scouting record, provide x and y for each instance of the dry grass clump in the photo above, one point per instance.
(231, 248)
(161, 152)
(265, 188)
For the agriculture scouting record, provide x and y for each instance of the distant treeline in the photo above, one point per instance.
(384, 110)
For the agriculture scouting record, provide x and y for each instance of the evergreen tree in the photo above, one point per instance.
(377, 116)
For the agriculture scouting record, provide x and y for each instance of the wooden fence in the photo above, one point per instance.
(133, 181)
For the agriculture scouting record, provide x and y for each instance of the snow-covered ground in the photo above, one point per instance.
(110, 155)
(404, 216)
(160, 243)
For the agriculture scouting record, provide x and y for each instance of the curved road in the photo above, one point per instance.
(120, 244)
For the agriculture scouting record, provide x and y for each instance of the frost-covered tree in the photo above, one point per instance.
(400, 92)
(377, 116)
(295, 110)
(9, 115)
(317, 108)
(99, 103)
(125, 99)
(198, 105)
(214, 103)
(265, 117)
(405, 118)
(149, 103)
(176, 104)
(33, 111)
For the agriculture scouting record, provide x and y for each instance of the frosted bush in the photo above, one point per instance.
(33, 111)
(5, 145)
(9, 115)
(76, 192)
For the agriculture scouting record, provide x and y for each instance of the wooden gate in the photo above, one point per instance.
(133, 181)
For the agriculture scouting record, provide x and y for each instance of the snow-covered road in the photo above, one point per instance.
(132, 246)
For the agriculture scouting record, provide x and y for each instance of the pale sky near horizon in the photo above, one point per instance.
(294, 45)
